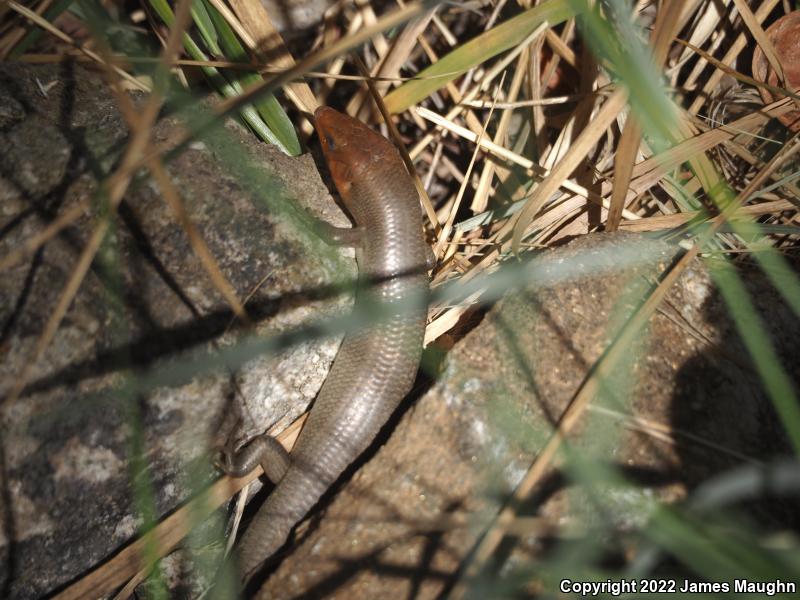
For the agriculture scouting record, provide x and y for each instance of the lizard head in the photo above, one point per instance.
(349, 147)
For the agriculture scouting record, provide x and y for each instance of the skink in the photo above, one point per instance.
(374, 368)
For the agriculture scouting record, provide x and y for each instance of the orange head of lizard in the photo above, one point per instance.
(349, 147)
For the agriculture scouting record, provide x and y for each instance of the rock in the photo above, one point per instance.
(68, 500)
(296, 15)
(409, 516)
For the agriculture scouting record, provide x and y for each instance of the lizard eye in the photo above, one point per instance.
(329, 141)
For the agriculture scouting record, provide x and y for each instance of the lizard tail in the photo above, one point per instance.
(289, 502)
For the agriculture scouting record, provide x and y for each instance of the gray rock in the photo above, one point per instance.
(407, 519)
(294, 15)
(67, 443)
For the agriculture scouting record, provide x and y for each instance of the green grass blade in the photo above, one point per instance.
(208, 31)
(231, 89)
(767, 363)
(269, 109)
(476, 51)
(620, 50)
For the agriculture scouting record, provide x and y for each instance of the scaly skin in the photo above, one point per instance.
(375, 368)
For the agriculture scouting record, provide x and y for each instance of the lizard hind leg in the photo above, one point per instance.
(264, 450)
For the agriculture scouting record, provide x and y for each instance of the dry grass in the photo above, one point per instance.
(515, 131)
